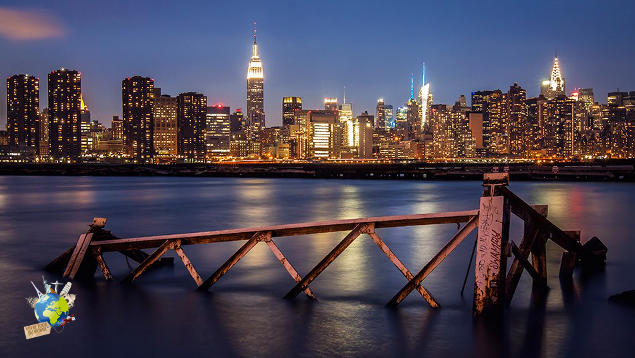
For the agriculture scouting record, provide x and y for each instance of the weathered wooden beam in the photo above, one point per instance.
(516, 269)
(436, 260)
(167, 245)
(287, 265)
(188, 265)
(78, 255)
(530, 235)
(402, 268)
(231, 261)
(525, 211)
(286, 230)
(528, 266)
(304, 283)
(491, 260)
(102, 263)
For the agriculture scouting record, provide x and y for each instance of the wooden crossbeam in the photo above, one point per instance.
(188, 265)
(337, 250)
(436, 260)
(102, 263)
(298, 229)
(167, 245)
(78, 255)
(402, 268)
(287, 265)
(231, 261)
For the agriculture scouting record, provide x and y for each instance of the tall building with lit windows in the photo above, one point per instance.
(290, 106)
(330, 104)
(320, 134)
(165, 128)
(517, 102)
(64, 104)
(23, 106)
(555, 85)
(137, 99)
(218, 131)
(87, 140)
(255, 97)
(380, 114)
(191, 123)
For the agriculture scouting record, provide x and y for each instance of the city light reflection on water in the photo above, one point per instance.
(244, 315)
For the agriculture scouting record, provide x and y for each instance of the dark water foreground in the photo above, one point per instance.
(244, 315)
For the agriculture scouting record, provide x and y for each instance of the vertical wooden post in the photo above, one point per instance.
(491, 260)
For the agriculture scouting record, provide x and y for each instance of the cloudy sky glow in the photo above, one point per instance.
(313, 49)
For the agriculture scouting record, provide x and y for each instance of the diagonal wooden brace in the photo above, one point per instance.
(102, 263)
(286, 264)
(337, 250)
(167, 245)
(436, 260)
(188, 265)
(232, 261)
(402, 268)
(528, 266)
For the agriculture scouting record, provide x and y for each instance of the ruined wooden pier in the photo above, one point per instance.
(494, 283)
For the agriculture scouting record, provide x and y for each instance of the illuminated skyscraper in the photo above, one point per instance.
(320, 134)
(191, 123)
(64, 99)
(165, 128)
(87, 140)
(555, 86)
(255, 96)
(390, 116)
(290, 105)
(424, 93)
(380, 114)
(137, 99)
(218, 131)
(517, 102)
(23, 106)
(330, 104)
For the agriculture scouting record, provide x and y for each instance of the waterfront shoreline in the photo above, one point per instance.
(608, 171)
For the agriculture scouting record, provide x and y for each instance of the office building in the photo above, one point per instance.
(64, 105)
(191, 123)
(23, 111)
(137, 98)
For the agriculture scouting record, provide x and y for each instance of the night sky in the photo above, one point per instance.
(314, 49)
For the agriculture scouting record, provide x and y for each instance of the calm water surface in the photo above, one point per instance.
(244, 315)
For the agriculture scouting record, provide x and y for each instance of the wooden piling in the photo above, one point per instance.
(491, 261)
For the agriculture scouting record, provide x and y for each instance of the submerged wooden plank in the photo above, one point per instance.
(287, 265)
(337, 250)
(231, 261)
(307, 228)
(79, 258)
(402, 268)
(436, 260)
(73, 258)
(167, 245)
(188, 265)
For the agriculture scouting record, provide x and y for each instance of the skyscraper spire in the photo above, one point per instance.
(254, 47)
(557, 80)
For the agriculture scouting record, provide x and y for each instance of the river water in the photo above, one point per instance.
(243, 315)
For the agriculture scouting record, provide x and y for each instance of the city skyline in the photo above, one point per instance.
(358, 69)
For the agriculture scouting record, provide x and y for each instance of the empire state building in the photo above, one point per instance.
(255, 97)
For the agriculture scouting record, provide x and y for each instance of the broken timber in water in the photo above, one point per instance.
(494, 285)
